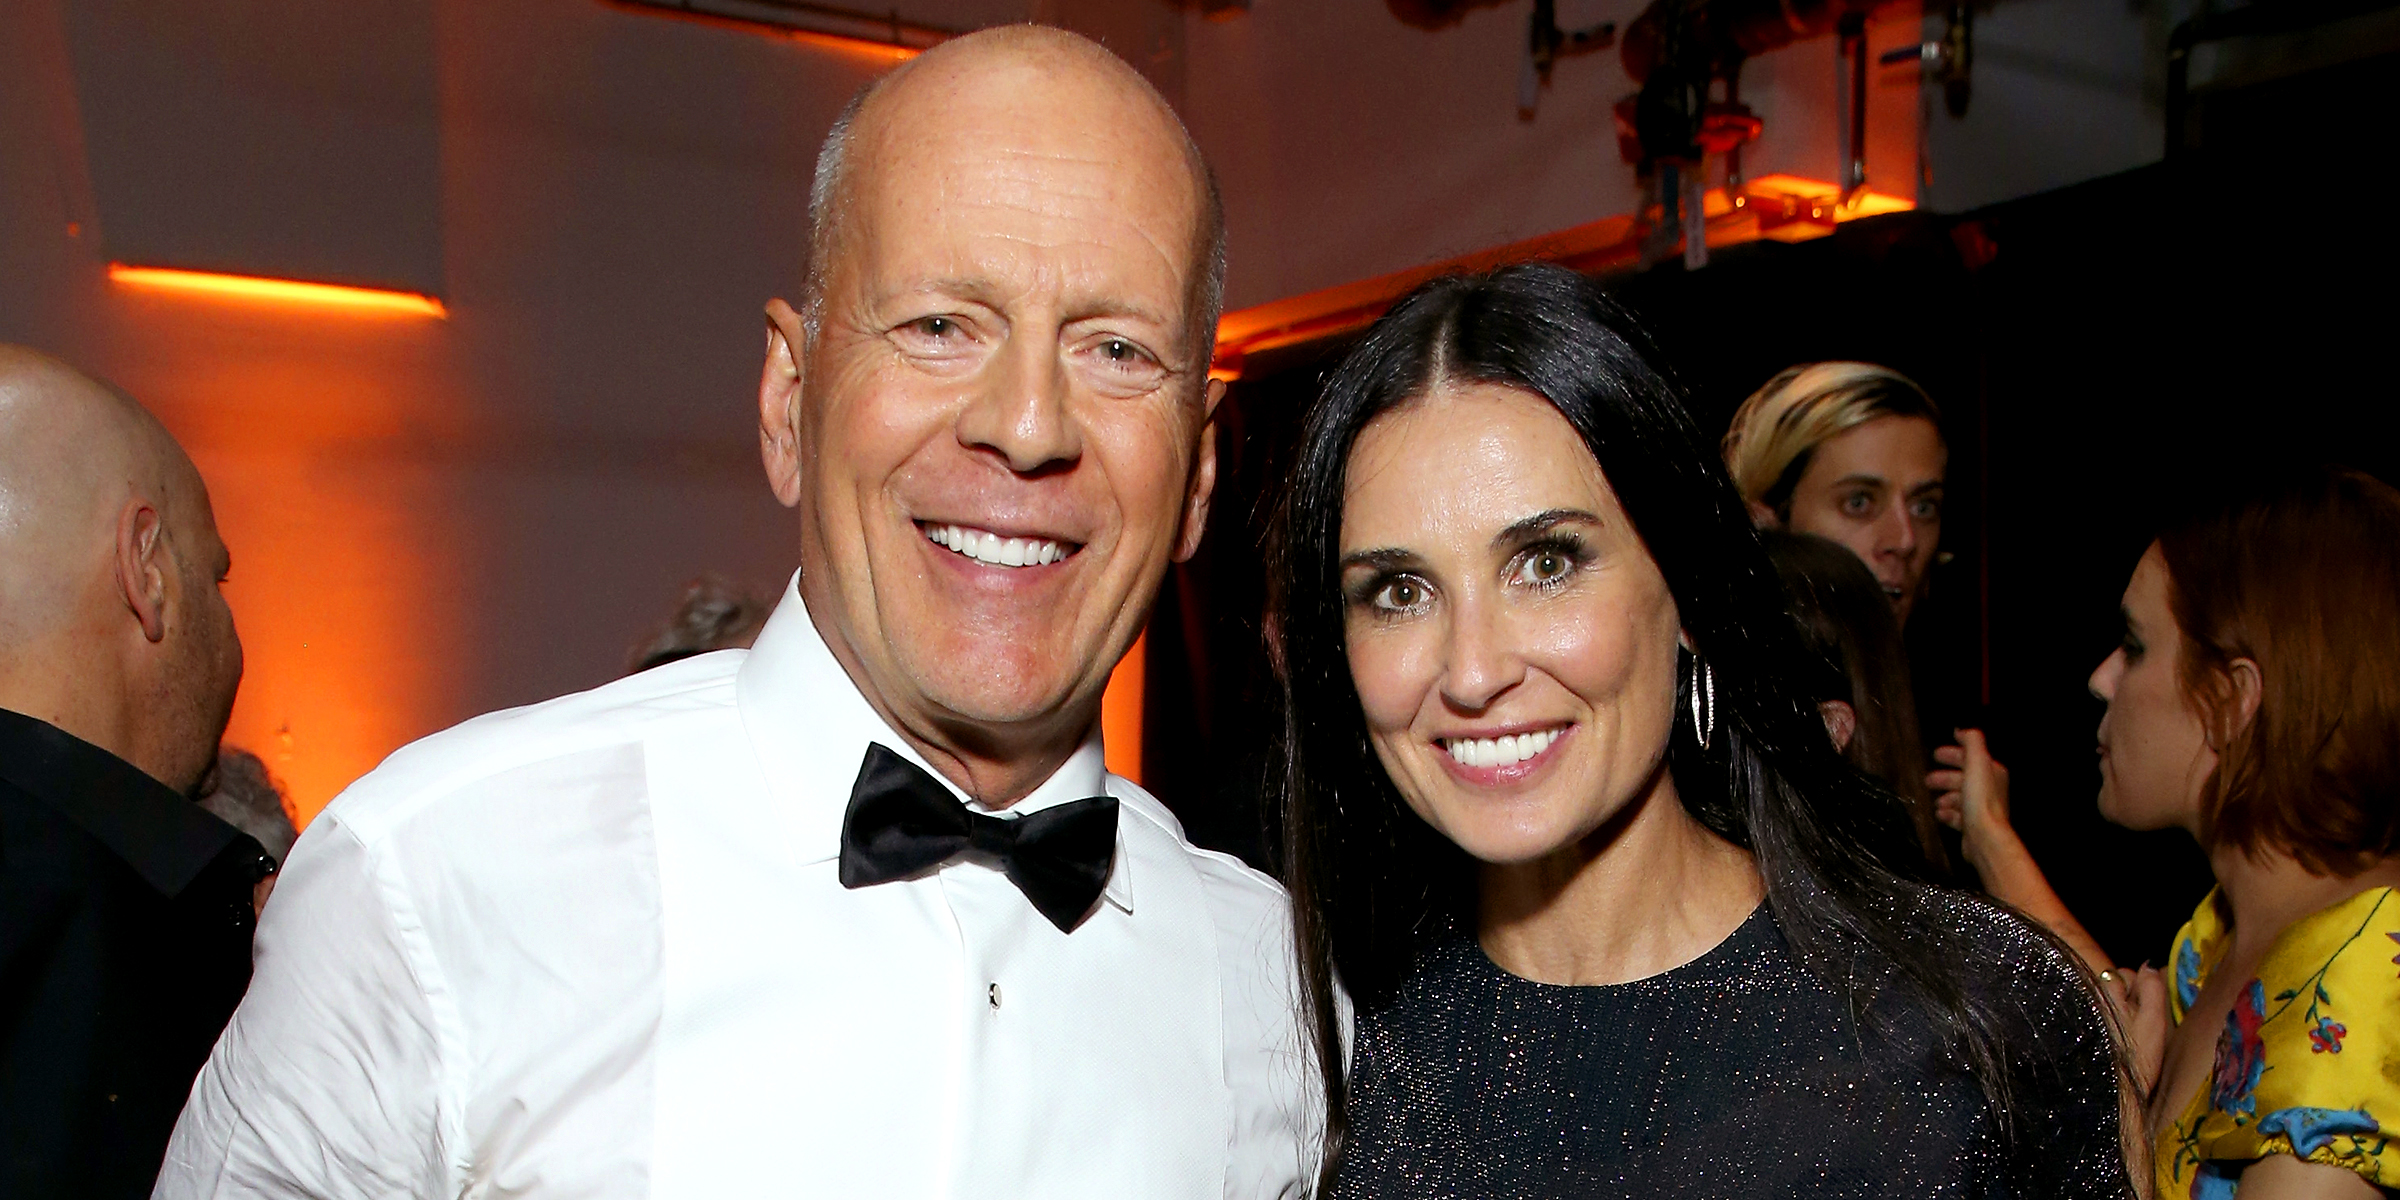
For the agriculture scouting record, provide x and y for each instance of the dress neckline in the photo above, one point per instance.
(1722, 960)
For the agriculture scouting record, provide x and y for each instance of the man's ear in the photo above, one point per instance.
(1204, 476)
(142, 566)
(779, 400)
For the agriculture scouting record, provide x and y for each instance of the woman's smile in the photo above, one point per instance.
(1501, 757)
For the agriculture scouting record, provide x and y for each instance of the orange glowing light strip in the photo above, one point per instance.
(822, 39)
(289, 291)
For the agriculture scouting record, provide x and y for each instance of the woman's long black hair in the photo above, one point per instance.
(1373, 886)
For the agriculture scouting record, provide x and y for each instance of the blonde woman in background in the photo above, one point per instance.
(1852, 452)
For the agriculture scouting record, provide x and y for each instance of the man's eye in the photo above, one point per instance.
(936, 327)
(1123, 354)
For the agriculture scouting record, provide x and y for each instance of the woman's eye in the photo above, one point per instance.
(1858, 503)
(1544, 567)
(1400, 595)
(1925, 510)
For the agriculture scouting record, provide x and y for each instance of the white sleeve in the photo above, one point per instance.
(328, 1081)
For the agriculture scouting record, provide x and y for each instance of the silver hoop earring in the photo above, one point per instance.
(1704, 700)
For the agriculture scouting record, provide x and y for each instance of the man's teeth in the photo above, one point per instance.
(1501, 751)
(991, 548)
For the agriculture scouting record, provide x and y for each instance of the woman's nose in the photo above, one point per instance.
(1483, 661)
(2103, 683)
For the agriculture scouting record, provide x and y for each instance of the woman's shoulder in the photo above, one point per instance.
(2042, 1003)
(2010, 957)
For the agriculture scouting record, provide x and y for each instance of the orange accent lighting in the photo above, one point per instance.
(1121, 712)
(1784, 208)
(276, 291)
(870, 47)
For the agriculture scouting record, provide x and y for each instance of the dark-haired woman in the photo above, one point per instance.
(2255, 703)
(1615, 917)
(1862, 683)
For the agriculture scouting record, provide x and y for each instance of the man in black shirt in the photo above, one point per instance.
(125, 908)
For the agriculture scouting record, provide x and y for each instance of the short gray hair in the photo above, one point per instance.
(825, 200)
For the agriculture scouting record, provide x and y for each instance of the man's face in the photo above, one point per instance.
(203, 664)
(1877, 488)
(1000, 436)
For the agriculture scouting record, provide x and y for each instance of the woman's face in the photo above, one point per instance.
(1512, 642)
(2154, 752)
(1877, 488)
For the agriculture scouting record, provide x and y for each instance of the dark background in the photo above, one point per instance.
(2099, 352)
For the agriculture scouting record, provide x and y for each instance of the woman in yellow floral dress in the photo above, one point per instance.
(2256, 703)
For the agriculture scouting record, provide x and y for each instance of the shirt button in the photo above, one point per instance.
(993, 994)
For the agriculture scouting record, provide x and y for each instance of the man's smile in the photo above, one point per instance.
(998, 550)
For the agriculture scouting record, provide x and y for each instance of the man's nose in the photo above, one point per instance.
(1021, 412)
(1899, 533)
(1484, 661)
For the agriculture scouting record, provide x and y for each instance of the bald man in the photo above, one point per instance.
(124, 907)
(860, 911)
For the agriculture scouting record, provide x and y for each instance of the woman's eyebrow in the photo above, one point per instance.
(1386, 558)
(1541, 523)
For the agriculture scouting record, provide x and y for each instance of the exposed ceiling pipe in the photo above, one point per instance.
(1677, 50)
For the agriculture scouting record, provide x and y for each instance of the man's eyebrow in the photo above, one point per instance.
(1101, 308)
(1540, 523)
(971, 287)
(1386, 558)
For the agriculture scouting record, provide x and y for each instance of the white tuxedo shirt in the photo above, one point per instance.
(596, 948)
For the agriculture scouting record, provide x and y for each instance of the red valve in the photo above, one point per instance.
(1725, 127)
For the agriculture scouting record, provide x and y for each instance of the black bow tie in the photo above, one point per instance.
(902, 821)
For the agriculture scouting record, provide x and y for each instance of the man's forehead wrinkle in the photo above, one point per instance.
(1035, 236)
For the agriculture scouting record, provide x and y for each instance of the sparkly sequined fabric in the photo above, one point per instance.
(1737, 1074)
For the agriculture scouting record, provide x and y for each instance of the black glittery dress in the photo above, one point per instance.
(1737, 1074)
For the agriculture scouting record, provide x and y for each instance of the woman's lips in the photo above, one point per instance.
(1501, 758)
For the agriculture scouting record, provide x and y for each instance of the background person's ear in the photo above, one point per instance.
(1204, 477)
(1841, 722)
(2245, 687)
(779, 401)
(141, 561)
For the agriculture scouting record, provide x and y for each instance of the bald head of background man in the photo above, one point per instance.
(113, 626)
(992, 408)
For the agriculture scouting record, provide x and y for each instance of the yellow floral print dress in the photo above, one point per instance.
(2309, 1060)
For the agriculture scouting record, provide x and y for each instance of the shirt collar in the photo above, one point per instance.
(810, 726)
(166, 838)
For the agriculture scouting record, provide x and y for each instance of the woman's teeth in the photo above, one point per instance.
(1500, 751)
(994, 550)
